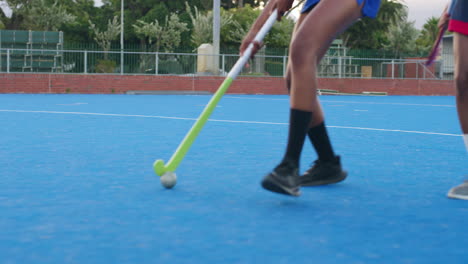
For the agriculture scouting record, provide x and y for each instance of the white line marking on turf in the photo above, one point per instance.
(96, 114)
(74, 104)
(398, 130)
(354, 102)
(348, 102)
(227, 121)
(258, 98)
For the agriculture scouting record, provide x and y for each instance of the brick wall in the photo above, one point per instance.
(103, 84)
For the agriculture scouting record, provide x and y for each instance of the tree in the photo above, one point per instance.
(3, 19)
(41, 15)
(104, 38)
(372, 33)
(69, 16)
(428, 35)
(280, 34)
(83, 10)
(38, 15)
(202, 31)
(232, 34)
(235, 23)
(402, 36)
(167, 36)
(228, 4)
(151, 10)
(18, 9)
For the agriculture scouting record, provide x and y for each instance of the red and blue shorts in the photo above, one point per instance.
(370, 8)
(459, 17)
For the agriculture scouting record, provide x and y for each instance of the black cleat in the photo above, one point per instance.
(322, 173)
(283, 179)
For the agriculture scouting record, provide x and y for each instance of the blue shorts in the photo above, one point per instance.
(459, 17)
(370, 9)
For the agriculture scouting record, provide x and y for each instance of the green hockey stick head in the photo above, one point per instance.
(159, 168)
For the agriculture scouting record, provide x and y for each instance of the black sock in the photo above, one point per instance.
(319, 137)
(298, 125)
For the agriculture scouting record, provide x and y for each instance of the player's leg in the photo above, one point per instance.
(284, 185)
(314, 35)
(461, 83)
(461, 80)
(288, 66)
(327, 169)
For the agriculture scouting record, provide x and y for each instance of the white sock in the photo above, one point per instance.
(465, 138)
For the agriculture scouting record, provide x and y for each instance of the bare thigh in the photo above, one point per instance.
(310, 41)
(461, 78)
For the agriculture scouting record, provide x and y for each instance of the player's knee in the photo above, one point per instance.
(461, 82)
(287, 79)
(302, 54)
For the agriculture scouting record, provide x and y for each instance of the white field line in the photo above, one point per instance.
(74, 104)
(227, 121)
(348, 102)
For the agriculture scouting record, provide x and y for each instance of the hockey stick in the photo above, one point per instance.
(435, 48)
(159, 167)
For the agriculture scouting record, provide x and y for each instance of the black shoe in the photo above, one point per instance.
(283, 179)
(322, 173)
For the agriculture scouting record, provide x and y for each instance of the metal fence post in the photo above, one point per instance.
(8, 60)
(417, 69)
(156, 67)
(122, 62)
(441, 70)
(86, 61)
(223, 59)
(284, 65)
(340, 65)
(424, 73)
(393, 69)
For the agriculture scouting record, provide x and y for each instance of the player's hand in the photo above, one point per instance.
(246, 42)
(283, 6)
(444, 20)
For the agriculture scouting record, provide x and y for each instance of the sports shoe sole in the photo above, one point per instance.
(341, 177)
(271, 184)
(457, 196)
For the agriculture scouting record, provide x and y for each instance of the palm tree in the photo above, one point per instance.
(401, 36)
(372, 33)
(392, 11)
(428, 35)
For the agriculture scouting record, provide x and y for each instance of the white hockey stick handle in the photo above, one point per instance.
(248, 52)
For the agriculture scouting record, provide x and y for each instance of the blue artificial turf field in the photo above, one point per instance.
(78, 186)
